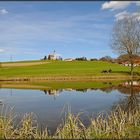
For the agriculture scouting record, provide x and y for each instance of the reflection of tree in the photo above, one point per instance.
(82, 90)
(131, 102)
(108, 89)
(133, 99)
(45, 91)
(131, 88)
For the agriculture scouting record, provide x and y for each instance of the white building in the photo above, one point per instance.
(68, 59)
(53, 56)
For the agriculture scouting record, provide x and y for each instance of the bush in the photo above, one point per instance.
(81, 59)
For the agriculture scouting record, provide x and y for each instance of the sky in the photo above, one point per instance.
(30, 30)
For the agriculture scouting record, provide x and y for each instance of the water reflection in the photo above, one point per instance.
(128, 87)
(131, 88)
(53, 91)
(48, 102)
(132, 101)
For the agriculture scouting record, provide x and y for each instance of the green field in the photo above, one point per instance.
(62, 69)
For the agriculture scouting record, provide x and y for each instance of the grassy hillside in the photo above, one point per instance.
(61, 68)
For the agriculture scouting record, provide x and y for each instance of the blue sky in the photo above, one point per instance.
(30, 30)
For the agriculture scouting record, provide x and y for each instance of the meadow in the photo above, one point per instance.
(117, 124)
(32, 69)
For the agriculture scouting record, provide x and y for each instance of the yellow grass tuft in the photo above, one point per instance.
(116, 124)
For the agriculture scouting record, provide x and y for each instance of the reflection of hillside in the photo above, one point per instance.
(107, 87)
(125, 88)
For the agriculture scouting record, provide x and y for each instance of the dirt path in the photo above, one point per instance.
(22, 64)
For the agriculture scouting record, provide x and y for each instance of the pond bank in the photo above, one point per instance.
(69, 78)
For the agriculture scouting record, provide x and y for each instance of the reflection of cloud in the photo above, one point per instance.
(113, 5)
(3, 11)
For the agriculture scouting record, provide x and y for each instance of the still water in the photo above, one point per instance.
(50, 105)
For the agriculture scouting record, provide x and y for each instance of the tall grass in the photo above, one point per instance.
(116, 124)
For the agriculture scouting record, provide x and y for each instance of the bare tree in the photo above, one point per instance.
(126, 38)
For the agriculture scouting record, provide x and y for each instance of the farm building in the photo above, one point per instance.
(136, 63)
(52, 57)
(68, 59)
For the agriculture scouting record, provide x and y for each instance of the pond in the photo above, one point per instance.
(51, 101)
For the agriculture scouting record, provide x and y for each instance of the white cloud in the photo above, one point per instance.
(1, 50)
(59, 30)
(3, 11)
(126, 14)
(22, 34)
(138, 3)
(114, 5)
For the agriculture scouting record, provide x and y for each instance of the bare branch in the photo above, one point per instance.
(126, 37)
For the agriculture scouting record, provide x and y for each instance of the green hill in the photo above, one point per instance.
(32, 69)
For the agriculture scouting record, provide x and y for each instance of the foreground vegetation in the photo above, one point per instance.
(62, 69)
(117, 124)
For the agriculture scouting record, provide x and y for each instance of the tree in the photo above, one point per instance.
(106, 58)
(93, 59)
(45, 58)
(49, 57)
(126, 38)
(125, 57)
(81, 59)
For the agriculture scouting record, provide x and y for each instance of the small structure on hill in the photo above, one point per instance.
(68, 59)
(54, 56)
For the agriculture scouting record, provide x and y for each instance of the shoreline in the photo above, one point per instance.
(69, 78)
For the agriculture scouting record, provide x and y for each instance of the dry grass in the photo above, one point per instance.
(16, 64)
(117, 124)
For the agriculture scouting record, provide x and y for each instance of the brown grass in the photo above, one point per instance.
(67, 78)
(22, 64)
(118, 124)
